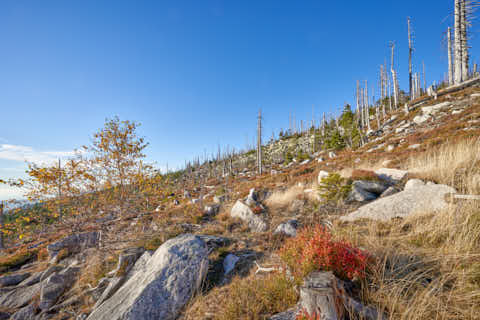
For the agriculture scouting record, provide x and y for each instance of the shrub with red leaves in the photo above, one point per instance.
(257, 210)
(313, 249)
(303, 315)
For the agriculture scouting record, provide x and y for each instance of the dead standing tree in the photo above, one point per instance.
(394, 76)
(259, 142)
(410, 54)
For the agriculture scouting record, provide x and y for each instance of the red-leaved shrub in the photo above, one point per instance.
(314, 249)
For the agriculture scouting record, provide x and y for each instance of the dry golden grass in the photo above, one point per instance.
(456, 164)
(280, 199)
(252, 298)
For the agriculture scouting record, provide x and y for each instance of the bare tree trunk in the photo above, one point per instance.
(410, 53)
(259, 142)
(450, 62)
(394, 77)
(464, 39)
(458, 43)
(367, 107)
(358, 102)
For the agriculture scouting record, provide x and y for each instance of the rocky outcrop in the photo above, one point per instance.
(162, 287)
(13, 280)
(74, 243)
(417, 197)
(242, 211)
(55, 285)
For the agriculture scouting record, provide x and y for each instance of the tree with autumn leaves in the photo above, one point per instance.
(98, 178)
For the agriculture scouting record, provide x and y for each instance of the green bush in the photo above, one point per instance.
(334, 188)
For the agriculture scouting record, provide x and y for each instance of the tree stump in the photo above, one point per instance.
(320, 295)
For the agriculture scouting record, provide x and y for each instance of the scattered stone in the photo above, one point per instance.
(176, 202)
(417, 197)
(320, 159)
(195, 201)
(229, 263)
(162, 287)
(242, 211)
(212, 210)
(435, 108)
(332, 155)
(454, 112)
(288, 228)
(390, 148)
(186, 194)
(305, 162)
(414, 146)
(421, 118)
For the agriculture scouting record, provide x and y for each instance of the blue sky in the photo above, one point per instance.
(194, 73)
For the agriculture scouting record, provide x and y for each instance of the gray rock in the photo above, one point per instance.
(417, 197)
(74, 243)
(290, 314)
(19, 296)
(414, 146)
(242, 211)
(288, 228)
(390, 191)
(162, 287)
(360, 195)
(13, 280)
(374, 187)
(25, 313)
(391, 175)
(229, 263)
(252, 198)
(55, 285)
(421, 118)
(332, 155)
(435, 108)
(113, 285)
(212, 210)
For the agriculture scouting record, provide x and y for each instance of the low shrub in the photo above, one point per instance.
(16, 259)
(334, 188)
(314, 249)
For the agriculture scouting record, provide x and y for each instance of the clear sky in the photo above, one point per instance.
(194, 73)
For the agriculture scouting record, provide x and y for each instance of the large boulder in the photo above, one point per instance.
(242, 211)
(417, 197)
(161, 287)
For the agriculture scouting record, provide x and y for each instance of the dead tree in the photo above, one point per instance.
(394, 76)
(458, 42)
(259, 142)
(357, 94)
(450, 55)
(464, 38)
(410, 53)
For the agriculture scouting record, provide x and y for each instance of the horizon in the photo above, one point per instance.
(194, 75)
